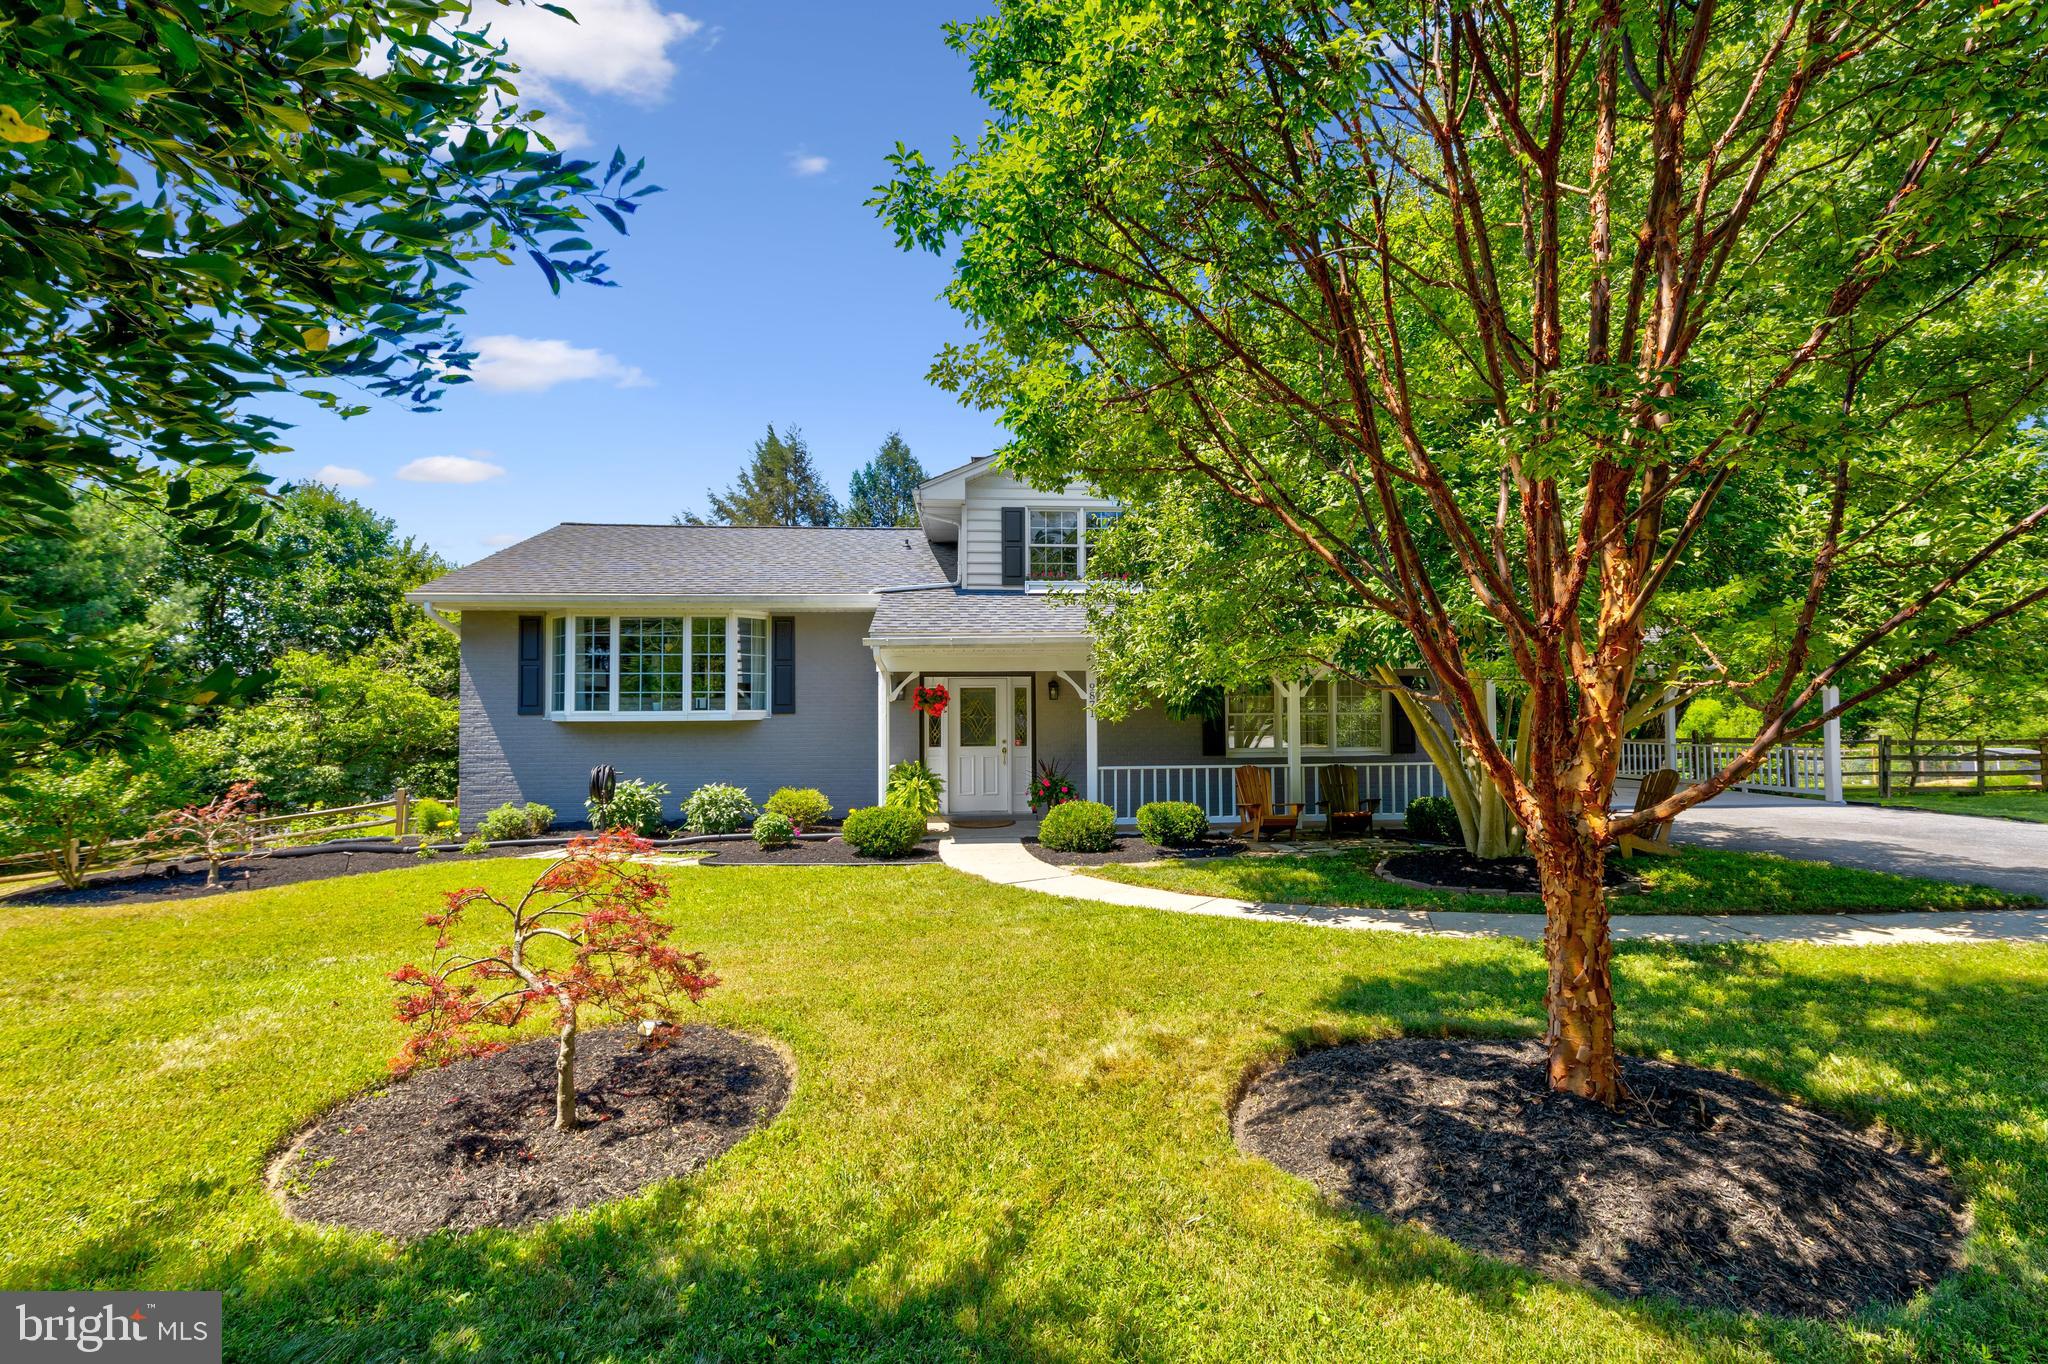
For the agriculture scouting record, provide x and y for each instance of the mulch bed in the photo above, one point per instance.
(834, 852)
(183, 880)
(473, 1144)
(1702, 1187)
(1131, 848)
(1456, 869)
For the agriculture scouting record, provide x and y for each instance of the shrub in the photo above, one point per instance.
(476, 845)
(1436, 819)
(515, 821)
(1172, 823)
(635, 806)
(916, 788)
(800, 805)
(715, 808)
(1078, 826)
(883, 830)
(773, 831)
(431, 818)
(618, 960)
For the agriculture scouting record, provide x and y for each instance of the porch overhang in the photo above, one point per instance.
(971, 654)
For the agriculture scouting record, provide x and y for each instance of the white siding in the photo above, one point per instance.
(981, 524)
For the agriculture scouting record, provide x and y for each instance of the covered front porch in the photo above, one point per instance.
(1013, 708)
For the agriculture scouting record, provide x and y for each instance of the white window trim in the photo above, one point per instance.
(612, 714)
(1080, 578)
(1279, 746)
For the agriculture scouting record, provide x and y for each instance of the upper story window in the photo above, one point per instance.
(689, 667)
(1338, 715)
(1056, 543)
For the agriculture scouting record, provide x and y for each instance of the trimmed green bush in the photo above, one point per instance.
(715, 808)
(635, 805)
(1078, 826)
(1436, 819)
(477, 844)
(802, 806)
(773, 831)
(515, 821)
(1172, 823)
(883, 830)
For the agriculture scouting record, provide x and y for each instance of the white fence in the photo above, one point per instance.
(1213, 786)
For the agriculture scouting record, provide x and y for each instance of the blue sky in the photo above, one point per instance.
(757, 289)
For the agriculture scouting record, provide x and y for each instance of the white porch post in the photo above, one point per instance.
(881, 733)
(1831, 746)
(1094, 776)
(1671, 738)
(1290, 696)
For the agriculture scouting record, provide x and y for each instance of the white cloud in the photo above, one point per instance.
(502, 539)
(802, 164)
(613, 47)
(527, 364)
(450, 469)
(341, 476)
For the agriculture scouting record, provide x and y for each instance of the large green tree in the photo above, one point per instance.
(883, 492)
(1488, 308)
(204, 203)
(780, 486)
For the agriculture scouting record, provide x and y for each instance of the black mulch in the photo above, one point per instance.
(832, 852)
(1703, 1187)
(1131, 848)
(474, 1145)
(1456, 869)
(180, 880)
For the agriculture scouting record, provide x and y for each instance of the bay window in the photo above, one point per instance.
(704, 667)
(1338, 715)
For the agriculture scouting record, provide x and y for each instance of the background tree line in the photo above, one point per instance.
(781, 486)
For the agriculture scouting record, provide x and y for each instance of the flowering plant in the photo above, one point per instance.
(1050, 787)
(930, 700)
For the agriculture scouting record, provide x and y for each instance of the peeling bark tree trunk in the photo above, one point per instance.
(565, 1073)
(1580, 997)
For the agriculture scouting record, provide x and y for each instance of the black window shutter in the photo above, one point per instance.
(782, 665)
(530, 665)
(1013, 546)
(1403, 734)
(1213, 745)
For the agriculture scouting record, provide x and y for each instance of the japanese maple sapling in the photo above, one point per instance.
(223, 830)
(583, 935)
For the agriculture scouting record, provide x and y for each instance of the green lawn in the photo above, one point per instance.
(1691, 881)
(2012, 804)
(1008, 1138)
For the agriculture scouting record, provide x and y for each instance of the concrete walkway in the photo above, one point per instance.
(997, 855)
(2005, 853)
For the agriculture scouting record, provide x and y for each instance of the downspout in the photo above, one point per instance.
(440, 620)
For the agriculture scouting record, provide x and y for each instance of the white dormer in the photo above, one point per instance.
(1009, 534)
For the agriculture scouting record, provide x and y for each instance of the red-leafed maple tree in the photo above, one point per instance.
(223, 830)
(584, 934)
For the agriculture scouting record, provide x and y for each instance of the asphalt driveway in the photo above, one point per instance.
(1991, 852)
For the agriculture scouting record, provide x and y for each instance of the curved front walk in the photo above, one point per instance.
(998, 856)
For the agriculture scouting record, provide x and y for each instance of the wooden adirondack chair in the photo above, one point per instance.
(1256, 812)
(1654, 838)
(1344, 813)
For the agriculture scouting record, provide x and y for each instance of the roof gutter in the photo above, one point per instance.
(440, 620)
(543, 601)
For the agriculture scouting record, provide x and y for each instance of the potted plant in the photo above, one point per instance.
(930, 700)
(1049, 788)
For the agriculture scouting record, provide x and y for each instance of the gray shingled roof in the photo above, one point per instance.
(582, 559)
(948, 611)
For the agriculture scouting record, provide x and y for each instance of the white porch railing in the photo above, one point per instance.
(1213, 786)
(1640, 757)
(1794, 769)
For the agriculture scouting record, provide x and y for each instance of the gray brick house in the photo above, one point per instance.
(777, 656)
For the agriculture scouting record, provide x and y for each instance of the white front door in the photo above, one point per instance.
(981, 758)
